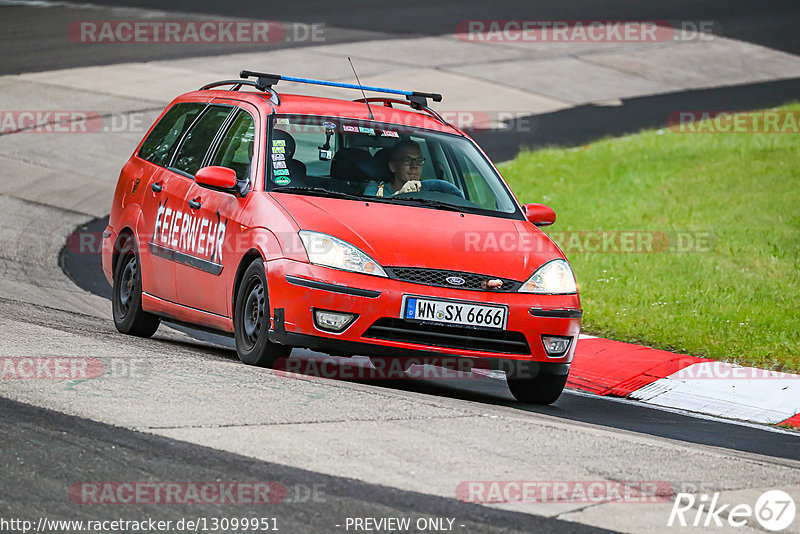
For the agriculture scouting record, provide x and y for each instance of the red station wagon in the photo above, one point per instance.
(369, 227)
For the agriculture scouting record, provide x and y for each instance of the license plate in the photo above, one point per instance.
(454, 312)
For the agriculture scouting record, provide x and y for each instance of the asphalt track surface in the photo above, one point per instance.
(34, 39)
(584, 124)
(88, 451)
(772, 24)
(86, 271)
(60, 449)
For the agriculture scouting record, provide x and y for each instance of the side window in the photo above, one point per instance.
(236, 150)
(160, 144)
(190, 155)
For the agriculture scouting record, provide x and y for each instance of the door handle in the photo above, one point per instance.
(195, 203)
(157, 187)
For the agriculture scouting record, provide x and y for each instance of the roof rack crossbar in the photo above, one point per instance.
(272, 79)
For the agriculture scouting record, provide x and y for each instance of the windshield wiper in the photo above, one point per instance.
(432, 203)
(318, 191)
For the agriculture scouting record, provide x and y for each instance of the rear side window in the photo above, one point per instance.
(191, 153)
(236, 150)
(162, 141)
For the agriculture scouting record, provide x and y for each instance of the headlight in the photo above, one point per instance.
(323, 249)
(553, 278)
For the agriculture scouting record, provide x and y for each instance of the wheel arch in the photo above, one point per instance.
(247, 259)
(130, 224)
(125, 235)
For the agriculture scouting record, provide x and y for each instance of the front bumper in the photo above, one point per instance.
(296, 289)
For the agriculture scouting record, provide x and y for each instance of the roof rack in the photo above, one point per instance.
(415, 99)
(268, 80)
(274, 97)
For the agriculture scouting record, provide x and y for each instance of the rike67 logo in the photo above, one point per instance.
(774, 510)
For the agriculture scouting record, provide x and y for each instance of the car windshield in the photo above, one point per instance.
(365, 159)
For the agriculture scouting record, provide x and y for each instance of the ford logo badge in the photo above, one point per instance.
(455, 280)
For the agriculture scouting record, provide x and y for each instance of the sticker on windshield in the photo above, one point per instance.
(278, 150)
(390, 133)
(329, 125)
(350, 128)
(278, 157)
(282, 180)
(367, 130)
(280, 172)
(279, 164)
(279, 142)
(281, 121)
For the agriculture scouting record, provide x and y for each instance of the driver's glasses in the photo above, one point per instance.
(407, 161)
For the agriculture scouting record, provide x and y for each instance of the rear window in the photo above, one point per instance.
(163, 139)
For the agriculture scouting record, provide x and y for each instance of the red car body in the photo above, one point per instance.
(194, 243)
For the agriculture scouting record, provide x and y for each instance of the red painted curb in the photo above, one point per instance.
(792, 421)
(607, 367)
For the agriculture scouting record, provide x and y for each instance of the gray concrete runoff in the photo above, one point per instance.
(198, 393)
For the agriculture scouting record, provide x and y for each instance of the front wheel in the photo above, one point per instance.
(544, 388)
(129, 318)
(251, 320)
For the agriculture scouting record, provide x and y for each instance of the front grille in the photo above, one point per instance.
(453, 337)
(438, 277)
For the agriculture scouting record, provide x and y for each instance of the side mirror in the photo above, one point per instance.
(216, 177)
(539, 214)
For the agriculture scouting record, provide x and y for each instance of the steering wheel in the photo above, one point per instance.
(441, 186)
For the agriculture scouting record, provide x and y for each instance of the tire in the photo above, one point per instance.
(544, 388)
(126, 296)
(251, 320)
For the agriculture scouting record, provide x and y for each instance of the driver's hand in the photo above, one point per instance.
(411, 186)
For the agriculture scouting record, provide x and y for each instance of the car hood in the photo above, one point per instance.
(410, 236)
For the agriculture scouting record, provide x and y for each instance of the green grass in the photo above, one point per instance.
(739, 299)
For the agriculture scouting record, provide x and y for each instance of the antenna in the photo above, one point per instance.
(362, 89)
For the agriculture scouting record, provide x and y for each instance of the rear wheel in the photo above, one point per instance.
(129, 318)
(251, 320)
(544, 388)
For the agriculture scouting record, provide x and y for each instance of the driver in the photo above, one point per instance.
(406, 163)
